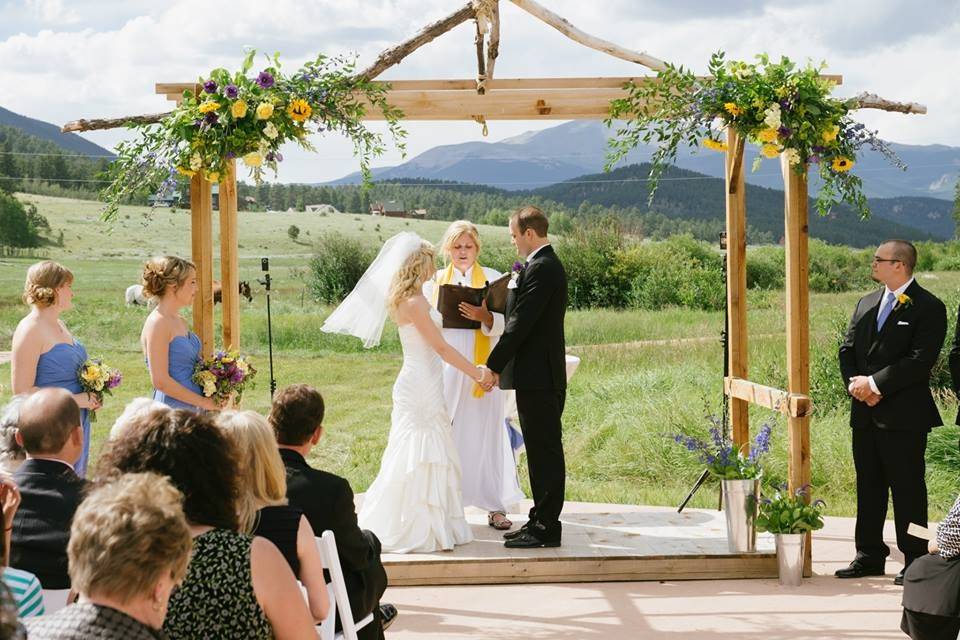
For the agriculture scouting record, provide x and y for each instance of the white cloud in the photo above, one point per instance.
(105, 62)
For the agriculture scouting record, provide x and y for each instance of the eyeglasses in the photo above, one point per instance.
(878, 259)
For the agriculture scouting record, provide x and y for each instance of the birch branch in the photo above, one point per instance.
(493, 45)
(563, 26)
(873, 101)
(112, 123)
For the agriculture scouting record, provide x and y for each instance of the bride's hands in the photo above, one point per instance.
(487, 378)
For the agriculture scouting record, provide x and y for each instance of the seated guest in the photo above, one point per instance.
(23, 585)
(236, 586)
(134, 409)
(263, 506)
(129, 547)
(12, 454)
(931, 586)
(10, 627)
(50, 431)
(327, 502)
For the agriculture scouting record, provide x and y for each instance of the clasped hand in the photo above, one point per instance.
(488, 379)
(860, 389)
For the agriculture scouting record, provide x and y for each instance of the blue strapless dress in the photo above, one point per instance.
(58, 367)
(182, 355)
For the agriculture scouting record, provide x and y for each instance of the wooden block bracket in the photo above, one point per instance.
(794, 405)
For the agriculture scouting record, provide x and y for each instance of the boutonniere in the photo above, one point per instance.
(903, 300)
(516, 270)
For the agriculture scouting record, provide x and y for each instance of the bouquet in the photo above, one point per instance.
(786, 513)
(98, 379)
(723, 459)
(224, 375)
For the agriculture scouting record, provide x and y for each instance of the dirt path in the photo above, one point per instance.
(5, 356)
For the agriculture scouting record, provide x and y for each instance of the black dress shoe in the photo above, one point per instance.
(898, 580)
(388, 613)
(858, 570)
(527, 540)
(510, 535)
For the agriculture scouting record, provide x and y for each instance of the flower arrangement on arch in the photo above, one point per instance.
(790, 513)
(723, 459)
(249, 117)
(783, 108)
(225, 374)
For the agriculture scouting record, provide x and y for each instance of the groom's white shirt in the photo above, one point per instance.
(534, 252)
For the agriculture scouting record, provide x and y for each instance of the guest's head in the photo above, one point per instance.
(48, 285)
(263, 478)
(297, 416)
(461, 244)
(189, 449)
(12, 453)
(134, 409)
(894, 262)
(528, 229)
(49, 425)
(415, 270)
(130, 545)
(170, 278)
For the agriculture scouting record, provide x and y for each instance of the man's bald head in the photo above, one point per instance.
(47, 418)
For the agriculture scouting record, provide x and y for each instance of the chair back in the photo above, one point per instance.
(339, 599)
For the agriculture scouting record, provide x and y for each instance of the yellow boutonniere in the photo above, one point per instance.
(903, 300)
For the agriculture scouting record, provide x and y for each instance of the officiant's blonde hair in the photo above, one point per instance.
(454, 231)
(409, 279)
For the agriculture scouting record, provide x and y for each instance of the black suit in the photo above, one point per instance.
(954, 361)
(890, 439)
(531, 358)
(327, 502)
(51, 493)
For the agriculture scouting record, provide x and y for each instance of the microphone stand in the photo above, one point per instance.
(266, 283)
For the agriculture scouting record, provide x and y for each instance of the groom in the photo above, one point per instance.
(530, 358)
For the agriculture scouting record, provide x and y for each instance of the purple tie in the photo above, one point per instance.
(885, 309)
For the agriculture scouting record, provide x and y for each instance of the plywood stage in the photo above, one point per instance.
(601, 542)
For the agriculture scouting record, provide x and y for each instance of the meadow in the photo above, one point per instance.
(644, 375)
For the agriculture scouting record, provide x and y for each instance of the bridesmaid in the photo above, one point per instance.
(170, 348)
(45, 354)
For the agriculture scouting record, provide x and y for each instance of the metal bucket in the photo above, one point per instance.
(741, 500)
(790, 547)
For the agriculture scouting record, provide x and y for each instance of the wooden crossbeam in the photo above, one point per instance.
(793, 405)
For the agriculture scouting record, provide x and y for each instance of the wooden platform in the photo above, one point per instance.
(601, 542)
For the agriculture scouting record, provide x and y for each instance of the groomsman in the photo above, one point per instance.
(893, 341)
(531, 358)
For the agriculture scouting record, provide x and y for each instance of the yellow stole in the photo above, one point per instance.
(481, 342)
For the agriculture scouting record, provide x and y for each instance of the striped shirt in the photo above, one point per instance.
(26, 592)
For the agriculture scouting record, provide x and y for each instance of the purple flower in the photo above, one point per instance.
(237, 377)
(211, 118)
(517, 267)
(265, 80)
(784, 132)
(231, 91)
(231, 155)
(814, 158)
(198, 122)
(278, 156)
(115, 380)
(271, 156)
(210, 86)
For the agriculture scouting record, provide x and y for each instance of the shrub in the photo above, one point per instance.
(294, 232)
(336, 266)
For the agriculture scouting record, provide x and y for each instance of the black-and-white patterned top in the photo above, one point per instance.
(948, 533)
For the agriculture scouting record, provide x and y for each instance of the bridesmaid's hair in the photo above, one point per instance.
(162, 271)
(409, 279)
(454, 231)
(43, 280)
(263, 478)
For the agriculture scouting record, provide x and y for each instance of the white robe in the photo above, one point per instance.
(489, 473)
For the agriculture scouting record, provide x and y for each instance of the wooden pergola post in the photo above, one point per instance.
(737, 284)
(229, 260)
(201, 224)
(796, 239)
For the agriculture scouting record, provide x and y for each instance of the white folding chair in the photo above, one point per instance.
(337, 589)
(54, 600)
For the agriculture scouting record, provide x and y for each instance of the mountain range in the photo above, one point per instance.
(46, 131)
(539, 158)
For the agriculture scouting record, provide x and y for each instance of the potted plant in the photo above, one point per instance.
(790, 518)
(739, 476)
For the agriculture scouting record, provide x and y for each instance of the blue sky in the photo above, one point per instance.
(66, 59)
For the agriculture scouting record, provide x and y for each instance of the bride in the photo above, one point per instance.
(414, 504)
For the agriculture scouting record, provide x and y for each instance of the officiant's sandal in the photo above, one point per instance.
(498, 520)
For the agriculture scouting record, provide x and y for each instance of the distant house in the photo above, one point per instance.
(395, 209)
(323, 209)
(170, 199)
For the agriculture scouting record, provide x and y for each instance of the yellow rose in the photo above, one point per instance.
(239, 109)
(768, 135)
(185, 172)
(209, 106)
(264, 110)
(831, 134)
(732, 109)
(253, 159)
(770, 151)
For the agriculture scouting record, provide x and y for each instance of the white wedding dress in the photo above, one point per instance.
(415, 504)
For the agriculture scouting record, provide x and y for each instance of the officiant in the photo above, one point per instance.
(489, 474)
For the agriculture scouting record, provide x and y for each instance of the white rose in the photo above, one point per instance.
(793, 156)
(271, 131)
(196, 162)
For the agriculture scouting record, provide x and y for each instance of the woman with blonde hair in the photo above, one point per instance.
(490, 478)
(414, 504)
(170, 348)
(45, 353)
(263, 509)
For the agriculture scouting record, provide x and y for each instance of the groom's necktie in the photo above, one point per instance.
(885, 308)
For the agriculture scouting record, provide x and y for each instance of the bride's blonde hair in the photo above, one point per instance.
(409, 279)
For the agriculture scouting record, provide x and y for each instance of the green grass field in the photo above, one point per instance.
(626, 399)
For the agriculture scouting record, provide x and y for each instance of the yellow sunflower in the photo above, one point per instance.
(209, 106)
(299, 110)
(841, 164)
(732, 109)
(716, 145)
